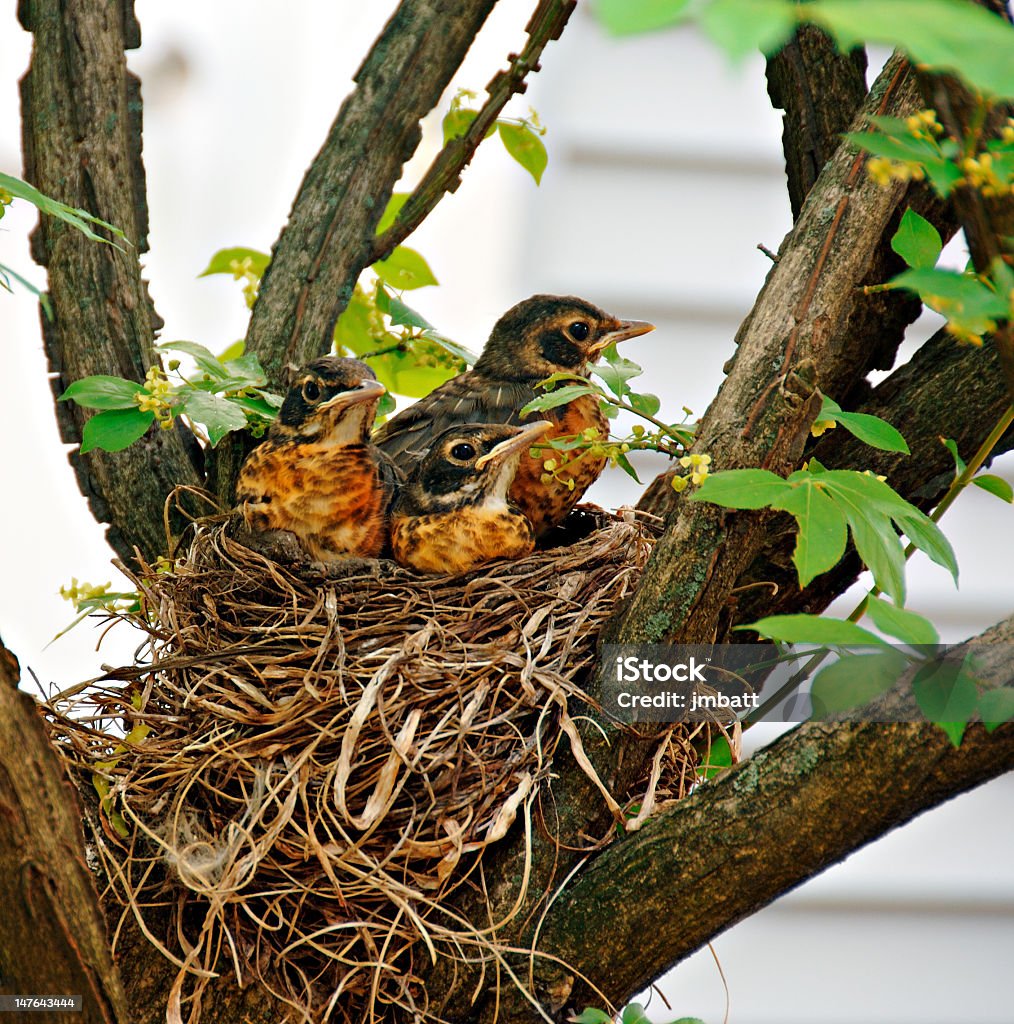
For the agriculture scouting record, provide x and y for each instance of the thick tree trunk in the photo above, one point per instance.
(53, 939)
(811, 327)
(82, 142)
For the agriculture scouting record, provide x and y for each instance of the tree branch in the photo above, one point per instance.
(82, 145)
(329, 238)
(820, 90)
(444, 174)
(988, 223)
(53, 939)
(781, 817)
(798, 337)
(945, 390)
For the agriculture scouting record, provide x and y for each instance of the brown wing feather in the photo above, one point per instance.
(470, 397)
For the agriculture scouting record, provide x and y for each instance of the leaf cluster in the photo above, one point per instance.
(614, 394)
(943, 35)
(226, 394)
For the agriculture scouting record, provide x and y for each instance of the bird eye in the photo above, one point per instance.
(311, 391)
(579, 330)
(462, 452)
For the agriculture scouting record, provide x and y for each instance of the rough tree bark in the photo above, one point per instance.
(82, 143)
(53, 938)
(812, 327)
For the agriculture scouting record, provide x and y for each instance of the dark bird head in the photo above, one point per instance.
(470, 464)
(549, 334)
(332, 400)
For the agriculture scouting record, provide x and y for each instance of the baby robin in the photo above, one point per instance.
(543, 335)
(453, 514)
(317, 475)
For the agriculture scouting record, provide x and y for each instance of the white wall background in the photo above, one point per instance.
(664, 174)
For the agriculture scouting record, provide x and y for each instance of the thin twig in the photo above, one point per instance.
(444, 174)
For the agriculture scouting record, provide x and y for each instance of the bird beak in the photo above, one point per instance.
(624, 329)
(368, 391)
(526, 435)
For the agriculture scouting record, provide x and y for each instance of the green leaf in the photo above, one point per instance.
(558, 397)
(916, 241)
(257, 406)
(895, 146)
(906, 626)
(855, 680)
(102, 392)
(996, 707)
(928, 538)
(624, 17)
(869, 494)
(633, 1013)
(456, 123)
(404, 316)
(591, 1015)
(114, 430)
(353, 331)
(525, 146)
(742, 488)
(947, 695)
(615, 371)
(6, 273)
(719, 757)
(741, 27)
(246, 371)
(404, 270)
(645, 403)
(79, 219)
(219, 415)
(624, 463)
(456, 349)
(820, 542)
(814, 629)
(944, 34)
(223, 261)
(879, 547)
(234, 351)
(385, 406)
(962, 298)
(995, 485)
(959, 463)
(943, 173)
(393, 208)
(871, 430)
(206, 360)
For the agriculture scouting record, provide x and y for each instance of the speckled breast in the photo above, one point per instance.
(546, 504)
(461, 540)
(331, 498)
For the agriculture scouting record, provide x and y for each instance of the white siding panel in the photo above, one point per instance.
(658, 233)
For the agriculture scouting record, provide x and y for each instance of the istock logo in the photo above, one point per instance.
(676, 683)
(633, 669)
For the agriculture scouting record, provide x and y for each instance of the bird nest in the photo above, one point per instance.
(297, 773)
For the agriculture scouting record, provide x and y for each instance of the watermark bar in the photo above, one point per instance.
(50, 1004)
(768, 683)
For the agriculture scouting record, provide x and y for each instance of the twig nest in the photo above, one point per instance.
(313, 766)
